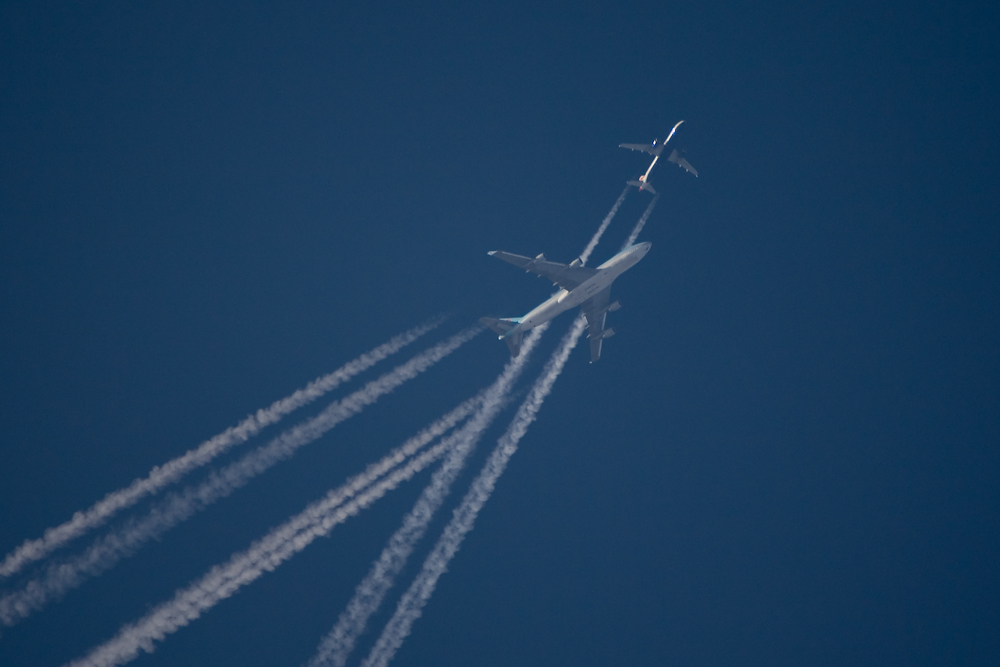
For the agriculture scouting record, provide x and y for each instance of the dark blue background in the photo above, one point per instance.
(788, 455)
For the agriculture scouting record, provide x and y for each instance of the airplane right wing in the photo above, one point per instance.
(596, 310)
(567, 276)
(676, 158)
(645, 148)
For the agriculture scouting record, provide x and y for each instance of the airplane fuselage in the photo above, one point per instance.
(564, 300)
(652, 164)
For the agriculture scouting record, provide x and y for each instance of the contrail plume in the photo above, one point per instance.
(585, 255)
(642, 222)
(336, 647)
(170, 472)
(283, 542)
(412, 603)
(106, 552)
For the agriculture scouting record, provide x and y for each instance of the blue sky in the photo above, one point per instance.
(788, 454)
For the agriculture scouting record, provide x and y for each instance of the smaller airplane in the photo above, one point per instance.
(590, 289)
(655, 150)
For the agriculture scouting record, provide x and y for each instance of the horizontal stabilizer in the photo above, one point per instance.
(503, 326)
(642, 185)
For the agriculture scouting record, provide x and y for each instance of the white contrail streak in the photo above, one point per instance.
(283, 542)
(336, 647)
(170, 472)
(412, 603)
(642, 223)
(585, 255)
(106, 552)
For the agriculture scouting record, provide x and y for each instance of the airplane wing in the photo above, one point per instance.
(676, 158)
(596, 310)
(645, 148)
(567, 276)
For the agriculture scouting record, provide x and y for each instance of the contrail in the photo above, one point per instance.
(283, 542)
(335, 648)
(412, 603)
(161, 476)
(585, 255)
(642, 222)
(106, 552)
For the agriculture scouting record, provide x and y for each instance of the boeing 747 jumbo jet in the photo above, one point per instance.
(655, 150)
(579, 286)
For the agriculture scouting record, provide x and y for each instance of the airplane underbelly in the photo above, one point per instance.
(585, 291)
(544, 313)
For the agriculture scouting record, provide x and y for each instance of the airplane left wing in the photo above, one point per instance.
(567, 276)
(645, 148)
(596, 310)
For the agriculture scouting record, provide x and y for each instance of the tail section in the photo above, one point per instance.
(503, 326)
(643, 185)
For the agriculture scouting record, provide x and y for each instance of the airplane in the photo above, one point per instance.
(655, 150)
(579, 286)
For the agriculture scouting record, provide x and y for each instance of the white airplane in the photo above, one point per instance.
(655, 150)
(579, 286)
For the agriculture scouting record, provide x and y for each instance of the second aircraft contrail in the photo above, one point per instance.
(642, 222)
(585, 255)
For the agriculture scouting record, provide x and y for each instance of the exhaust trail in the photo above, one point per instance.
(585, 255)
(279, 545)
(413, 601)
(161, 476)
(336, 647)
(106, 552)
(642, 222)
